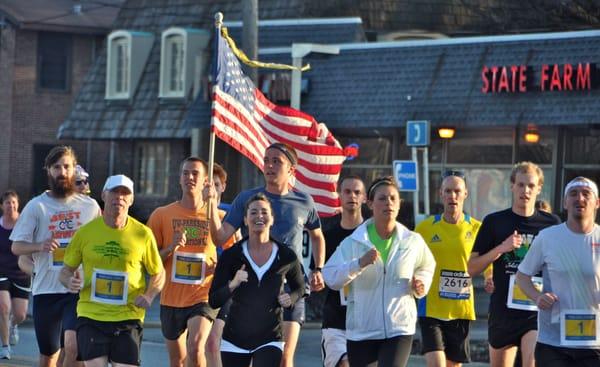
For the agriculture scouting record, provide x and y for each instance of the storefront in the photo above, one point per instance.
(493, 91)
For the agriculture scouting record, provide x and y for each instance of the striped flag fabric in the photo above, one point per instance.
(246, 120)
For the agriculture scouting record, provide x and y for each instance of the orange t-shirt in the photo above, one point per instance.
(190, 269)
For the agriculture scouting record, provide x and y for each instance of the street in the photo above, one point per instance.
(154, 353)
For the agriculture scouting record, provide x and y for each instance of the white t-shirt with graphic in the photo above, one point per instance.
(570, 265)
(44, 217)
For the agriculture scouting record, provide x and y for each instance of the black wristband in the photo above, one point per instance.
(317, 269)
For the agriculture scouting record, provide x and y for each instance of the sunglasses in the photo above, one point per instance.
(81, 182)
(450, 173)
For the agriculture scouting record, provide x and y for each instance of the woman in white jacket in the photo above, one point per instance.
(382, 267)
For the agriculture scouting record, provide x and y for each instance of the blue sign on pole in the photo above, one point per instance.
(406, 175)
(417, 133)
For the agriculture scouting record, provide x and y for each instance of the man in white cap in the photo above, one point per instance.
(82, 184)
(43, 231)
(568, 255)
(116, 251)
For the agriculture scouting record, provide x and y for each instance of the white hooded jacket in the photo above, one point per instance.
(380, 300)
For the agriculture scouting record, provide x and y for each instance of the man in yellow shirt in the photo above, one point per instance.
(446, 312)
(116, 252)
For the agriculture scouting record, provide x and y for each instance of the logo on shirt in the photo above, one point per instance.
(469, 235)
(111, 250)
(513, 259)
(196, 231)
(436, 238)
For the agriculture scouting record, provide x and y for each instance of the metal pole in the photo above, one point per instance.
(426, 180)
(415, 157)
(250, 36)
(296, 81)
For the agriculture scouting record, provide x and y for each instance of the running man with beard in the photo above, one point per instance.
(44, 230)
(503, 239)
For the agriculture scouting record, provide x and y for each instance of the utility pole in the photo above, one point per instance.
(250, 36)
(250, 176)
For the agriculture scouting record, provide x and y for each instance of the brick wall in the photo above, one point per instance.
(37, 113)
(7, 45)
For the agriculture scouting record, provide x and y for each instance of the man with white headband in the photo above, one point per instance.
(569, 257)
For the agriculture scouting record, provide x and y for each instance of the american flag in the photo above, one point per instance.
(245, 119)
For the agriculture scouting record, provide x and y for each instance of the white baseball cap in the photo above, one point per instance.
(116, 181)
(80, 172)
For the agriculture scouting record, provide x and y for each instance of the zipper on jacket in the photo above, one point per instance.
(383, 313)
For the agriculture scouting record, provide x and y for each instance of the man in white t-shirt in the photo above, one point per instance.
(43, 231)
(568, 255)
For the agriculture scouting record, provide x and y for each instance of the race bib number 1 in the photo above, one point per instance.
(517, 299)
(109, 287)
(455, 284)
(57, 257)
(579, 328)
(188, 268)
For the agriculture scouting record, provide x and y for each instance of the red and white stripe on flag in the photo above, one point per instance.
(320, 155)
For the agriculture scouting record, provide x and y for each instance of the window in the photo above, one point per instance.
(54, 61)
(152, 169)
(126, 59)
(181, 60)
(175, 57)
(121, 62)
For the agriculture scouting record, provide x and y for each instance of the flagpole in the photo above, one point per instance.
(211, 146)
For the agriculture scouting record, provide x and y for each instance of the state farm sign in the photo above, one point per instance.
(552, 77)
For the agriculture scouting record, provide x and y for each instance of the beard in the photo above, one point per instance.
(61, 186)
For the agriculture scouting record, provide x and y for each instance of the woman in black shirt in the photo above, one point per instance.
(252, 274)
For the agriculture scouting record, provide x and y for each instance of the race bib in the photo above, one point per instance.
(109, 287)
(57, 257)
(454, 284)
(517, 299)
(188, 268)
(344, 295)
(579, 328)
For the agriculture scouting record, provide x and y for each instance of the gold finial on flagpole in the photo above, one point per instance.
(219, 19)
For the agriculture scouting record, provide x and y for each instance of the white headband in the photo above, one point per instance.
(582, 183)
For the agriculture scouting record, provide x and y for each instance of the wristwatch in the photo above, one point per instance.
(317, 269)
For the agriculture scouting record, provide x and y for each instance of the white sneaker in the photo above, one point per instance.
(5, 352)
(13, 339)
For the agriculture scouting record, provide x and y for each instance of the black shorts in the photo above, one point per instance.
(120, 341)
(451, 336)
(52, 315)
(296, 312)
(173, 320)
(17, 288)
(551, 356)
(505, 333)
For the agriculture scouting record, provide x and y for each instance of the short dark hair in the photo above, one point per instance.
(56, 153)
(381, 181)
(7, 194)
(194, 159)
(287, 150)
(349, 177)
(220, 172)
(257, 197)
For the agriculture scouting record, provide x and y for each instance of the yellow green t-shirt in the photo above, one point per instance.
(451, 294)
(382, 245)
(115, 262)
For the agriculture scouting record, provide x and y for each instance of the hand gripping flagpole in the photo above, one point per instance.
(211, 147)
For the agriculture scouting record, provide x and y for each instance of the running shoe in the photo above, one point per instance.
(14, 335)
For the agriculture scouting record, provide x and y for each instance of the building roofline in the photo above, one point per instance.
(297, 22)
(449, 41)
